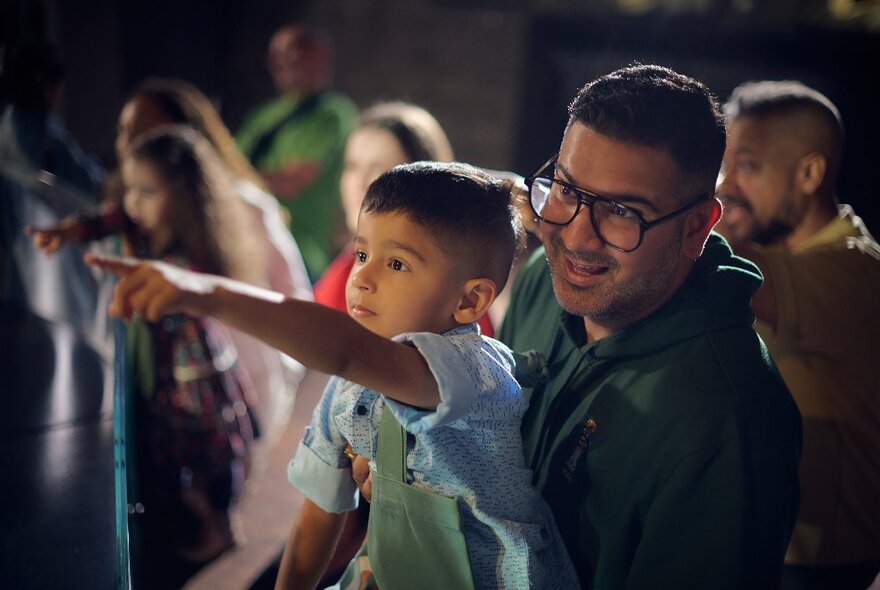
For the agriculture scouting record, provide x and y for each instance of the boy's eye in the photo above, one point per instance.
(396, 264)
(361, 256)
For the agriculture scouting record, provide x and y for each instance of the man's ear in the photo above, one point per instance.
(810, 172)
(697, 226)
(478, 296)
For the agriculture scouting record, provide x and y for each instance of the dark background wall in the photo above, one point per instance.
(497, 74)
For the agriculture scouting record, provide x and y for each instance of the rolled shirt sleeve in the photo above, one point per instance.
(320, 469)
(331, 488)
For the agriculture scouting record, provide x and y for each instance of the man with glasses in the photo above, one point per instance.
(818, 313)
(663, 438)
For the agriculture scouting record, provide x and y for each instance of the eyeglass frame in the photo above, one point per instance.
(587, 198)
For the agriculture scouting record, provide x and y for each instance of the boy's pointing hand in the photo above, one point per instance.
(150, 290)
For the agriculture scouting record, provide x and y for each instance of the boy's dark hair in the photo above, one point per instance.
(468, 212)
(655, 106)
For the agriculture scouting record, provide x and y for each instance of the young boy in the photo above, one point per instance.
(453, 504)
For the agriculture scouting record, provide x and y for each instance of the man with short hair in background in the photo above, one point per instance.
(296, 140)
(818, 313)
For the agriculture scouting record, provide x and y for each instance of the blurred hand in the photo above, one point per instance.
(288, 182)
(49, 239)
(360, 472)
(150, 290)
(520, 199)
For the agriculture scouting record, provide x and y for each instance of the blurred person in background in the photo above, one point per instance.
(296, 140)
(32, 136)
(45, 176)
(817, 311)
(189, 427)
(275, 376)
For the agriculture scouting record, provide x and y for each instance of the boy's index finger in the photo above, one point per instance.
(119, 265)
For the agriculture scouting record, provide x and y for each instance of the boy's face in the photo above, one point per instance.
(401, 281)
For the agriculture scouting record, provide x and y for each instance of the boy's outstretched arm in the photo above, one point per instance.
(309, 548)
(319, 337)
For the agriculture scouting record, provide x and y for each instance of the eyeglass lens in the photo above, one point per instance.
(616, 225)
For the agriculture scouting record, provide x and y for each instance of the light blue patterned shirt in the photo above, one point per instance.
(469, 447)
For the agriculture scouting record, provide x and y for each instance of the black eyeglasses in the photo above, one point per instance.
(619, 226)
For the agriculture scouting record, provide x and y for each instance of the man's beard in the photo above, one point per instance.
(613, 299)
(780, 225)
(771, 232)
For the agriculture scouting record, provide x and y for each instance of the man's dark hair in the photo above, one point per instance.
(769, 97)
(657, 107)
(785, 98)
(467, 212)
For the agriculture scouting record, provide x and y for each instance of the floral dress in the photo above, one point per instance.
(191, 426)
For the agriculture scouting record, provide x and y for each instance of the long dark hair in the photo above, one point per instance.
(207, 218)
(185, 104)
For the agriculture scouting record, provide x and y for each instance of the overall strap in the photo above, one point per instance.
(391, 447)
(262, 145)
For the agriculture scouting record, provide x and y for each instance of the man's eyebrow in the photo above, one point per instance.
(624, 199)
(744, 149)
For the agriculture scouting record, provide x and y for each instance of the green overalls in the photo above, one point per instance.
(414, 536)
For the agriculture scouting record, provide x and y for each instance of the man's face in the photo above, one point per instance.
(291, 61)
(609, 288)
(757, 181)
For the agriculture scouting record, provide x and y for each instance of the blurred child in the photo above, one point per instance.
(191, 424)
(431, 402)
(276, 262)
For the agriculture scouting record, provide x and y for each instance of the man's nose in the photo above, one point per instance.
(580, 233)
(726, 183)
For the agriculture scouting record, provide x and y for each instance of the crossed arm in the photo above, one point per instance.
(289, 181)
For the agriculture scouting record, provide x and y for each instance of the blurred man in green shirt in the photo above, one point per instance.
(296, 140)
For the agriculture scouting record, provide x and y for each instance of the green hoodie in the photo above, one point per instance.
(668, 450)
